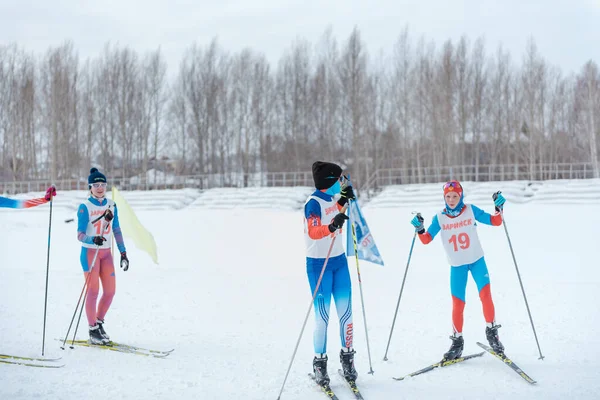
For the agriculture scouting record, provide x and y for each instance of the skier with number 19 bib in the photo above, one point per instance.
(457, 225)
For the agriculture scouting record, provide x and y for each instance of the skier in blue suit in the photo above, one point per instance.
(322, 222)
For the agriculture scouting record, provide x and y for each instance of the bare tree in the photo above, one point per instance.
(204, 91)
(588, 101)
(59, 110)
(293, 104)
(422, 108)
(465, 87)
(178, 122)
(262, 111)
(533, 77)
(478, 100)
(353, 79)
(402, 87)
(153, 93)
(326, 100)
(17, 103)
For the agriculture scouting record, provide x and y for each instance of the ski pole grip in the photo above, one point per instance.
(345, 208)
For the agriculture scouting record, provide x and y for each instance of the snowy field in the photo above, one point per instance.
(230, 295)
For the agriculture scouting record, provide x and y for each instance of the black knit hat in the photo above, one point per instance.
(325, 174)
(96, 176)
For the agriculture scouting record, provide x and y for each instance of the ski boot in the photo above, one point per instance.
(320, 370)
(96, 337)
(100, 323)
(492, 336)
(347, 360)
(456, 349)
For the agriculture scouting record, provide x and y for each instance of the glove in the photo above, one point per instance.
(347, 193)
(108, 215)
(50, 193)
(417, 222)
(124, 261)
(338, 222)
(99, 240)
(499, 201)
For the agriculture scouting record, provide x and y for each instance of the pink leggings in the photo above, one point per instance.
(103, 270)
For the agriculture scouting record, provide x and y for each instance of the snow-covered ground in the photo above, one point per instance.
(230, 295)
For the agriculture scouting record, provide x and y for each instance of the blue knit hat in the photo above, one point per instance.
(96, 176)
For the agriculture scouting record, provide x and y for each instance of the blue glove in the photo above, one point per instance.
(499, 200)
(417, 222)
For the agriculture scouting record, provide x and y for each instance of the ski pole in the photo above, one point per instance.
(47, 273)
(311, 305)
(400, 296)
(521, 283)
(85, 284)
(80, 312)
(362, 301)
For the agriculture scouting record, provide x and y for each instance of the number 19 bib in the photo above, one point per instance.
(460, 238)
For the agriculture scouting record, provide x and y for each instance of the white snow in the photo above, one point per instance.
(230, 295)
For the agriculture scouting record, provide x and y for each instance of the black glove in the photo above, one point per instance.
(338, 222)
(99, 240)
(124, 261)
(108, 215)
(347, 193)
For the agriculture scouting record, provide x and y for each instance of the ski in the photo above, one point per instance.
(9, 356)
(440, 364)
(30, 363)
(134, 348)
(507, 361)
(326, 389)
(120, 348)
(352, 385)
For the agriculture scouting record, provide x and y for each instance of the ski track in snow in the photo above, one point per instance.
(230, 295)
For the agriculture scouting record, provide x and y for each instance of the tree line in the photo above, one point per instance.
(419, 105)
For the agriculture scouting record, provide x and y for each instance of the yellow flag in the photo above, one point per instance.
(133, 228)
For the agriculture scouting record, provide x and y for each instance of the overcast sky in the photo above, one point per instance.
(567, 32)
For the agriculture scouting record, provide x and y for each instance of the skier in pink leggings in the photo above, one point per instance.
(97, 221)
